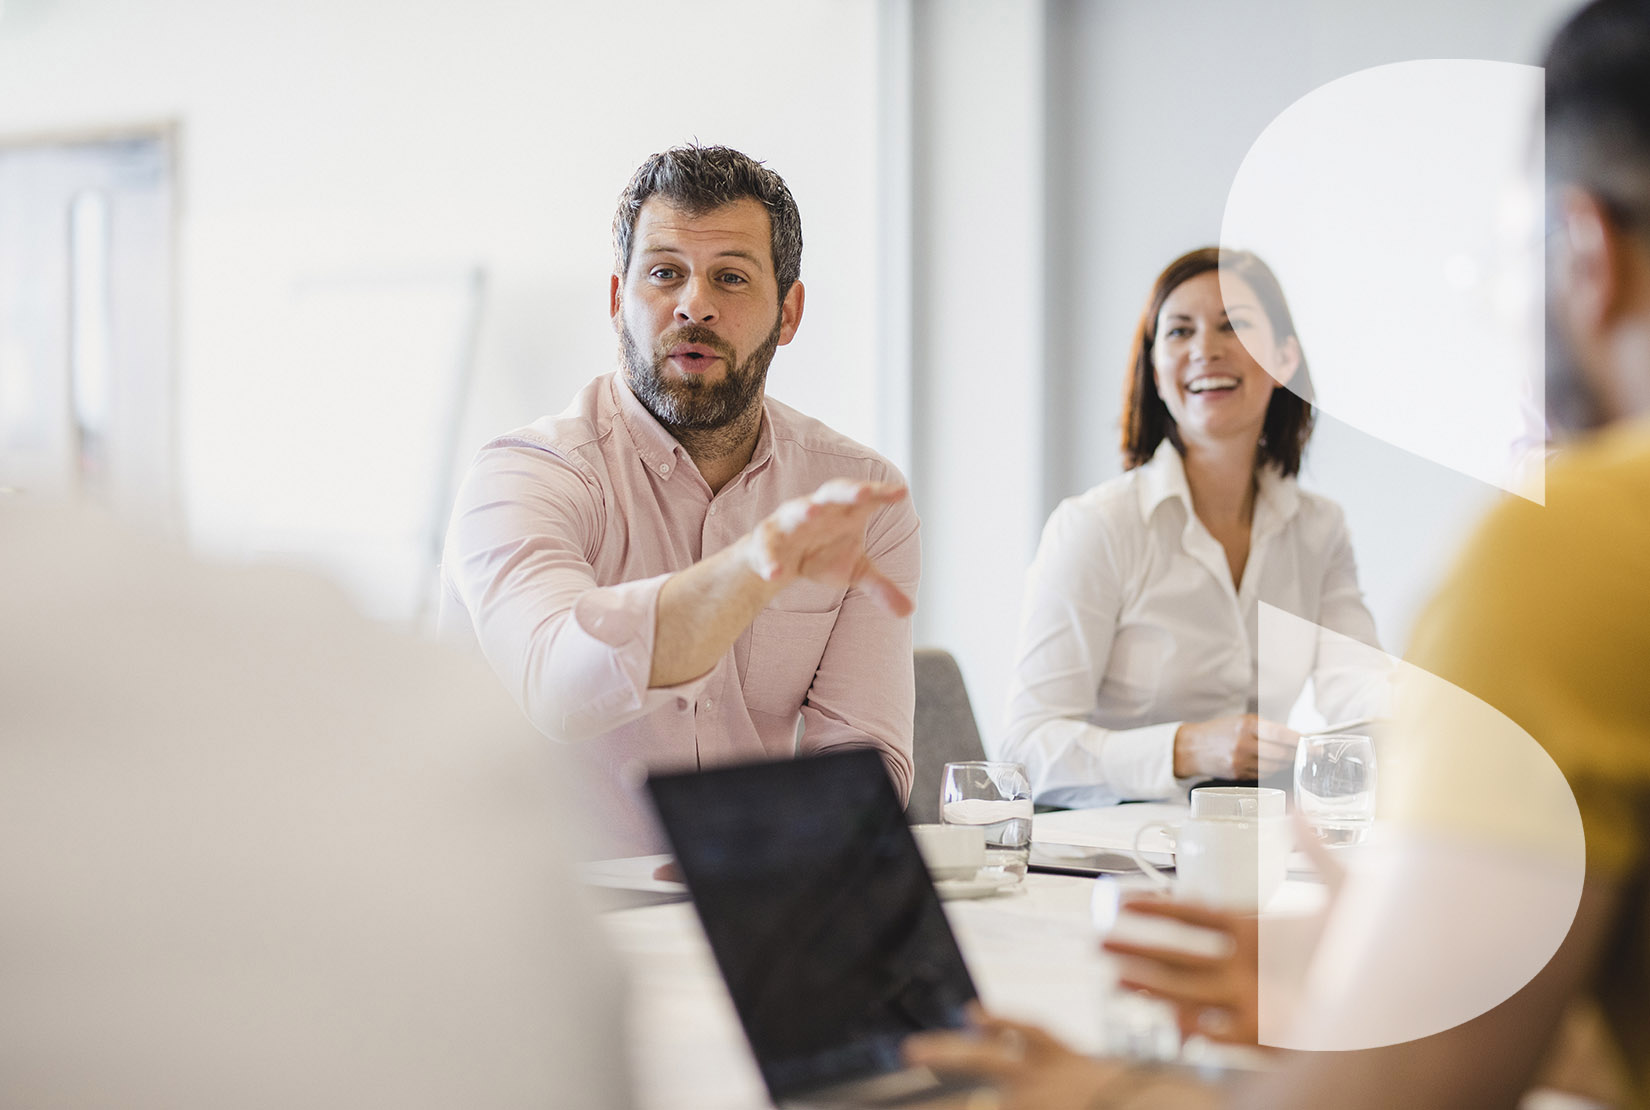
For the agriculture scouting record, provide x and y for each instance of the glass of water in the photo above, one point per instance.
(997, 797)
(1133, 1024)
(1335, 786)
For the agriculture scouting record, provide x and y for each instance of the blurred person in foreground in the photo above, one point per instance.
(1546, 618)
(258, 852)
(677, 570)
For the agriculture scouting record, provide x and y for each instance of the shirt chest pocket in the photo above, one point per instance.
(782, 655)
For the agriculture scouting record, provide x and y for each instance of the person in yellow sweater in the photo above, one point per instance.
(1545, 623)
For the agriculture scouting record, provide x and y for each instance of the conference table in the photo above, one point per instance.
(1033, 953)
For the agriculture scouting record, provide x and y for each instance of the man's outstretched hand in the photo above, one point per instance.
(821, 537)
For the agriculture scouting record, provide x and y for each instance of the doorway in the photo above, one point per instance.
(88, 393)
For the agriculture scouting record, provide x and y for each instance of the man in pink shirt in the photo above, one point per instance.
(677, 571)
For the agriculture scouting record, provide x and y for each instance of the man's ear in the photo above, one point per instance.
(790, 312)
(613, 303)
(1587, 270)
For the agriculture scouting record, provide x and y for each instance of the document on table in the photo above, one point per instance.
(1113, 828)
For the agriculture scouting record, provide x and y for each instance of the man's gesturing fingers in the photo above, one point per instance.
(883, 590)
(821, 537)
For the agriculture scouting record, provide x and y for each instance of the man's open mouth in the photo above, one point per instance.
(694, 352)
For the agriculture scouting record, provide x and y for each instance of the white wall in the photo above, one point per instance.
(1106, 141)
(1056, 154)
(370, 135)
(977, 324)
(1156, 106)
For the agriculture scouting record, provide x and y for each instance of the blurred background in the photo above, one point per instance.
(269, 274)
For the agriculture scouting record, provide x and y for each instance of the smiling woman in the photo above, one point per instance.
(1139, 661)
(1204, 300)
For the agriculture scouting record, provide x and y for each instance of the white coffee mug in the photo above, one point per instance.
(1231, 863)
(951, 851)
(1238, 801)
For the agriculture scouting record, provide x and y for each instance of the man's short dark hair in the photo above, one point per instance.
(700, 179)
(1598, 107)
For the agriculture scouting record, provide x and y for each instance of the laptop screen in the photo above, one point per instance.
(819, 911)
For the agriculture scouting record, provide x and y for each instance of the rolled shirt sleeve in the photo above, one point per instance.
(577, 656)
(1351, 677)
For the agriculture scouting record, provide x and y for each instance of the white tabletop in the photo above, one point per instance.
(1032, 952)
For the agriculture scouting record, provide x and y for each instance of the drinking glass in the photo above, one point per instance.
(1335, 786)
(996, 797)
(1133, 1025)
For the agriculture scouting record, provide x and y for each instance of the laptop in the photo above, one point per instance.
(823, 921)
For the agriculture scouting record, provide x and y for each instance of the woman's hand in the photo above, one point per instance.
(1245, 747)
(1217, 996)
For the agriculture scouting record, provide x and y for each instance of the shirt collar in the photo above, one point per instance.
(1163, 477)
(763, 452)
(660, 451)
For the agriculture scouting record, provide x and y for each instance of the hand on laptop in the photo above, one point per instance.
(1033, 1071)
(1029, 1068)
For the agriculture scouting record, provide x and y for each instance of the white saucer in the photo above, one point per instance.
(975, 888)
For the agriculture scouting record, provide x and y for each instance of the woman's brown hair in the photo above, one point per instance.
(1146, 419)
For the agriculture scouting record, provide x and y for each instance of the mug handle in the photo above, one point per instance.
(1160, 880)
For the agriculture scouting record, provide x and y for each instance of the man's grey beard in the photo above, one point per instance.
(692, 405)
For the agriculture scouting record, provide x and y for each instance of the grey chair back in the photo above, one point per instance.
(944, 731)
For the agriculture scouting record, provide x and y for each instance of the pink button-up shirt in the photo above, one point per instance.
(563, 534)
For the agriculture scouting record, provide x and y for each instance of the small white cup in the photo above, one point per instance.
(951, 851)
(1238, 801)
(1231, 863)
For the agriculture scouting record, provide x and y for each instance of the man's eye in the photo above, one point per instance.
(662, 273)
(733, 279)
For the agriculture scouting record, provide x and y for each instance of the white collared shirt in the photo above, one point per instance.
(1131, 626)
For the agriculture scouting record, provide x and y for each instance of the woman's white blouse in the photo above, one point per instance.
(1131, 626)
